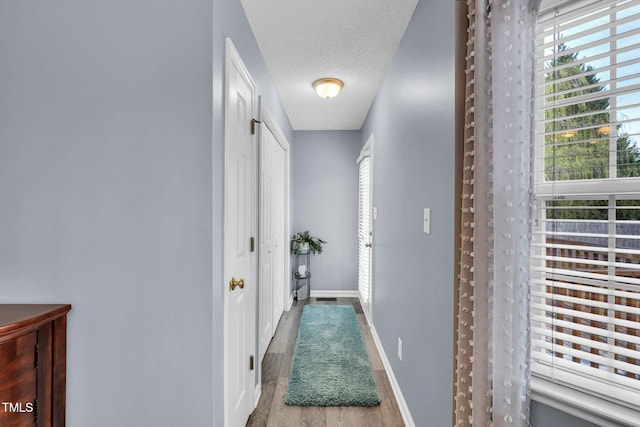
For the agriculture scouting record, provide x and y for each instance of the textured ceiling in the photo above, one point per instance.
(352, 40)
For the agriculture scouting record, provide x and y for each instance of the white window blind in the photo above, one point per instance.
(364, 229)
(585, 298)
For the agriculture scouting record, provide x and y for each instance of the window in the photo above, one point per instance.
(585, 296)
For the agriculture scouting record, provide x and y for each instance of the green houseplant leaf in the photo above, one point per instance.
(300, 239)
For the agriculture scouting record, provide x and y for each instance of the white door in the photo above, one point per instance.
(272, 235)
(365, 229)
(281, 239)
(239, 227)
(266, 238)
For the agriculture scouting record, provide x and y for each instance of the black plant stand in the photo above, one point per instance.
(302, 259)
(299, 278)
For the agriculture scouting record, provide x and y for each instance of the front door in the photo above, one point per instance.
(239, 229)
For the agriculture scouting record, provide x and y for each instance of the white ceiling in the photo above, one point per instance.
(304, 40)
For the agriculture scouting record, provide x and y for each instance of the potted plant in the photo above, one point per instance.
(304, 242)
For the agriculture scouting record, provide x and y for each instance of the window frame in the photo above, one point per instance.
(562, 392)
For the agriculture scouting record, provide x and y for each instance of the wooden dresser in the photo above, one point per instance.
(33, 347)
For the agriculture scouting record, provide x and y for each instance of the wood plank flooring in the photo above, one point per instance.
(272, 411)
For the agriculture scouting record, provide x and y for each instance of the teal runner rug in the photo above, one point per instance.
(330, 364)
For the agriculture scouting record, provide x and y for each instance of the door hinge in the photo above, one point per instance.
(253, 126)
(35, 411)
(251, 362)
(252, 244)
(35, 356)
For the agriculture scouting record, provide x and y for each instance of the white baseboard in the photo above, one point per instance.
(257, 394)
(402, 404)
(289, 303)
(334, 294)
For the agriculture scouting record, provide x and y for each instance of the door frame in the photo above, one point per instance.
(268, 120)
(368, 150)
(232, 59)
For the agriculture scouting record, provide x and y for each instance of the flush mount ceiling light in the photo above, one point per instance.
(328, 88)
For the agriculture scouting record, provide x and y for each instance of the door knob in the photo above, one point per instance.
(233, 283)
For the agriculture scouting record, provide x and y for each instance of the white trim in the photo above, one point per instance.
(366, 315)
(334, 294)
(269, 121)
(367, 149)
(402, 404)
(289, 302)
(582, 405)
(590, 187)
(257, 393)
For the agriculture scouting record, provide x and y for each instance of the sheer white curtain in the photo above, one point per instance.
(492, 364)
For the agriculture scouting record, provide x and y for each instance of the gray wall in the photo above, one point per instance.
(413, 122)
(325, 202)
(111, 195)
(545, 416)
(105, 189)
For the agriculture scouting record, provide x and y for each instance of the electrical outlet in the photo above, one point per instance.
(375, 213)
(399, 348)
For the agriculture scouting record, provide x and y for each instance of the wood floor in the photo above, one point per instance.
(272, 411)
